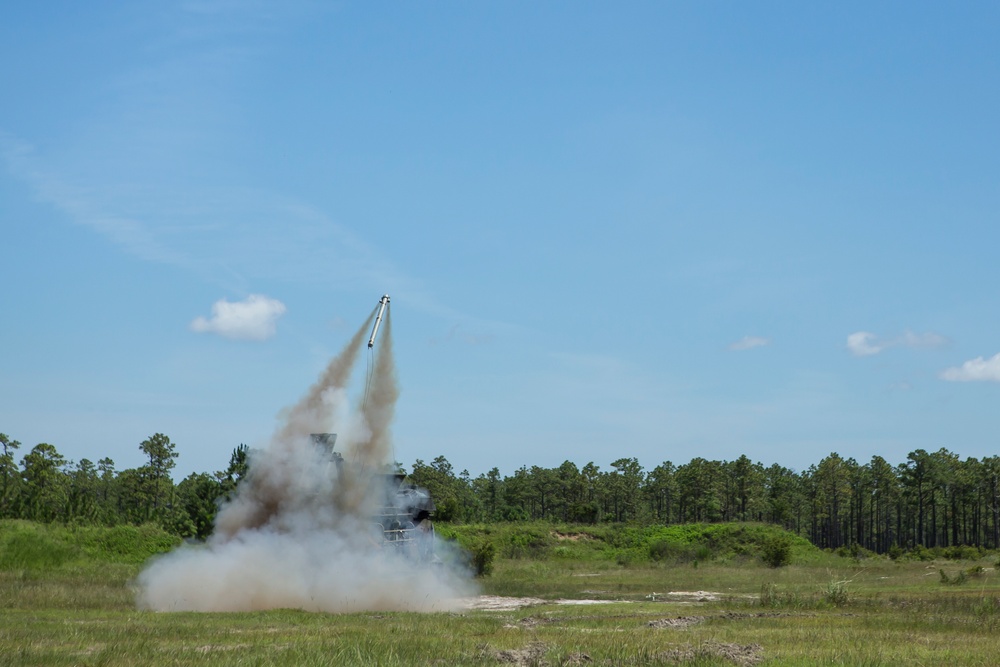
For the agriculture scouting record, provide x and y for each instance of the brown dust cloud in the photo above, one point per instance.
(299, 531)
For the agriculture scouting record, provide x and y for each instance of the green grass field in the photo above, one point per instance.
(66, 598)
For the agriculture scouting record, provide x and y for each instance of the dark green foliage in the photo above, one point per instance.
(933, 505)
(155, 483)
(962, 552)
(662, 550)
(625, 545)
(704, 542)
(527, 542)
(483, 553)
(452, 495)
(10, 477)
(46, 486)
(934, 500)
(957, 580)
(776, 551)
(239, 462)
(855, 551)
(448, 509)
(583, 512)
(197, 501)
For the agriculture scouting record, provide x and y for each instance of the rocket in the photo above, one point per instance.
(383, 302)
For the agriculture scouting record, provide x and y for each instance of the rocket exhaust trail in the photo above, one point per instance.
(296, 534)
(381, 404)
(309, 414)
(269, 487)
(373, 453)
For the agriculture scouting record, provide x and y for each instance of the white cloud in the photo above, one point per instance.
(861, 344)
(749, 342)
(975, 370)
(252, 319)
(865, 343)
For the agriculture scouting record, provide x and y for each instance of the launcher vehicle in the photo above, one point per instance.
(401, 521)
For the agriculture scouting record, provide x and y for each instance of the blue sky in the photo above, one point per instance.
(660, 230)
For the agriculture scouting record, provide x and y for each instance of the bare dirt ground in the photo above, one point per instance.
(499, 603)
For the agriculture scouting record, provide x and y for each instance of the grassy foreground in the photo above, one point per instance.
(66, 599)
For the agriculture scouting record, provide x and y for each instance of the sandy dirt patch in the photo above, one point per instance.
(499, 603)
(680, 622)
(693, 596)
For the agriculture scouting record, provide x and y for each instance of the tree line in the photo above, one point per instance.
(47, 487)
(932, 499)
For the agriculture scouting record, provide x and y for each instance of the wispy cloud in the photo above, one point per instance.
(254, 318)
(233, 237)
(865, 343)
(975, 370)
(749, 342)
(929, 339)
(228, 231)
(81, 206)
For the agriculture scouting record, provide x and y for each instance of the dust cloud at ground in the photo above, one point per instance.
(299, 532)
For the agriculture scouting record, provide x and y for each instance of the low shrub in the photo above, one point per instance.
(836, 593)
(957, 580)
(526, 543)
(855, 551)
(777, 551)
(665, 551)
(483, 553)
(962, 552)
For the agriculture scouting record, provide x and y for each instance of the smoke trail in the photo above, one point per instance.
(283, 476)
(381, 404)
(369, 447)
(311, 414)
(300, 530)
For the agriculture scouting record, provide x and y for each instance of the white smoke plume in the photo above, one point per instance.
(300, 531)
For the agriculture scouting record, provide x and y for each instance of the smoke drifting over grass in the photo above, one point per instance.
(299, 533)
